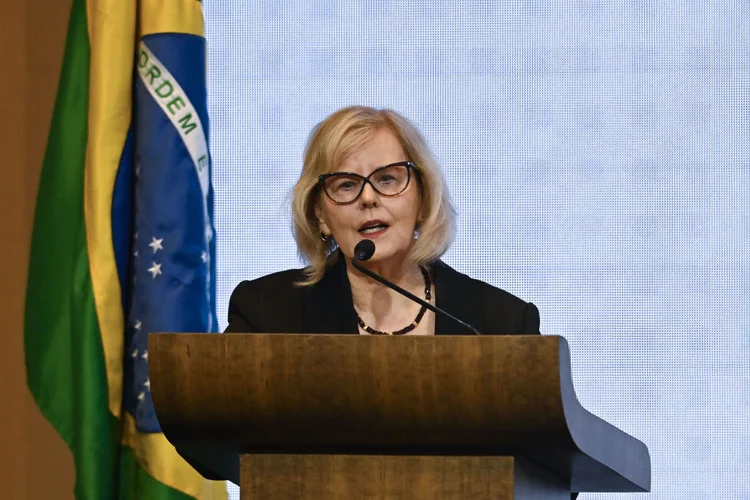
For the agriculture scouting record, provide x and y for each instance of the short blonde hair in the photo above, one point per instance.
(330, 143)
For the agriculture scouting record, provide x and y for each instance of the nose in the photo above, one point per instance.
(368, 198)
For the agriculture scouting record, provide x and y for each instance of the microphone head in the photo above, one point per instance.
(364, 250)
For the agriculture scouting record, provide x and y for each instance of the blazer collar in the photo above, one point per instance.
(328, 306)
(453, 296)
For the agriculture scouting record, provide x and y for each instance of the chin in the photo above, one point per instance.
(385, 252)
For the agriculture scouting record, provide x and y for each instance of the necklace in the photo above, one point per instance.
(413, 325)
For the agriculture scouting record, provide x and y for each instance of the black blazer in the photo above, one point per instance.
(273, 304)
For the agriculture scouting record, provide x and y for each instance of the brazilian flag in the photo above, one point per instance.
(123, 241)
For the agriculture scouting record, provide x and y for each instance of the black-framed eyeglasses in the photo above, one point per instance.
(346, 187)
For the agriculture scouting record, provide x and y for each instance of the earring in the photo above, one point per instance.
(324, 236)
(417, 227)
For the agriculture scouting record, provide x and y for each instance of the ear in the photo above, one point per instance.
(322, 224)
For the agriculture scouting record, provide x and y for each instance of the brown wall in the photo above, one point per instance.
(34, 461)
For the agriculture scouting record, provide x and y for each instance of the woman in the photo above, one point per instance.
(368, 174)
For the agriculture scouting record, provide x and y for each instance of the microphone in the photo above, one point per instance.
(366, 249)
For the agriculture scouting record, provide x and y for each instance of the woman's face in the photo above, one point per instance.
(388, 221)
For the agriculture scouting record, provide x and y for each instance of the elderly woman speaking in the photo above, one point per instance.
(369, 175)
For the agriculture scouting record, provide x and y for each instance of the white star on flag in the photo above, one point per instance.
(204, 257)
(156, 244)
(137, 325)
(135, 254)
(135, 353)
(155, 269)
(142, 396)
(147, 383)
(144, 355)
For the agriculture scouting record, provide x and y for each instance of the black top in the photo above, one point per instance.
(274, 304)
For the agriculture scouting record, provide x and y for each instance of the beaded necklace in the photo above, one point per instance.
(413, 325)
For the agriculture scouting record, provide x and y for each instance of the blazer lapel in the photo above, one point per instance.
(452, 295)
(327, 306)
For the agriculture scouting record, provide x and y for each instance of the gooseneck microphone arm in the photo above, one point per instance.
(364, 250)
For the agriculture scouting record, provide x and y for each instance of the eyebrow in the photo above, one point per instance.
(374, 169)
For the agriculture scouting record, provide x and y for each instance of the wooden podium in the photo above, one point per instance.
(342, 417)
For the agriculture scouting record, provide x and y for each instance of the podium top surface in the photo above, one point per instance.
(217, 395)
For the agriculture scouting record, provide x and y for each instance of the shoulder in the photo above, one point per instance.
(498, 310)
(466, 283)
(266, 303)
(279, 281)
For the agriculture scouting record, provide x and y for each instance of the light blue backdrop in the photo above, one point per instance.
(599, 156)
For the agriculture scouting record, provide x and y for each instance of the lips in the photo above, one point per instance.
(372, 226)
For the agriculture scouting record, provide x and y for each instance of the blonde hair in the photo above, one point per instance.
(330, 143)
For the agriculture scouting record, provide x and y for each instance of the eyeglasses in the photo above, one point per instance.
(345, 187)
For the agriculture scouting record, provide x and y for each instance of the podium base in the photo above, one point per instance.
(395, 477)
